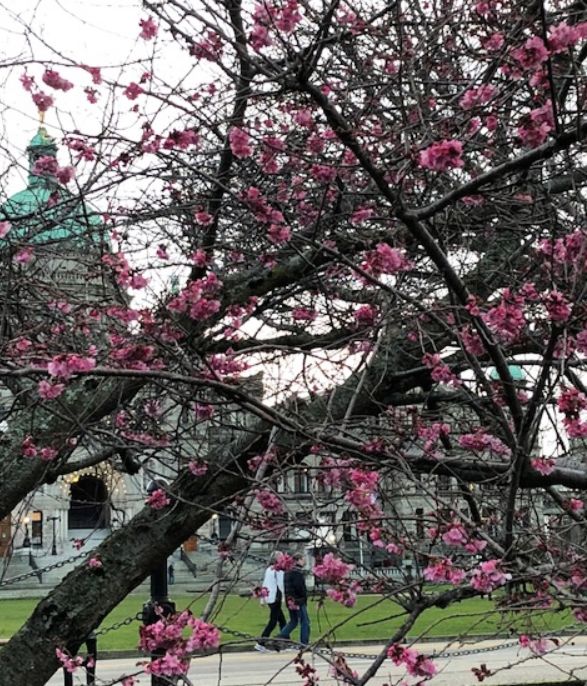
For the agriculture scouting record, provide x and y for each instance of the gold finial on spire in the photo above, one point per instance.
(41, 117)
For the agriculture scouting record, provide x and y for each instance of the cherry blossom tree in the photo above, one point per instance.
(380, 208)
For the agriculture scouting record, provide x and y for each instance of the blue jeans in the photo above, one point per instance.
(295, 616)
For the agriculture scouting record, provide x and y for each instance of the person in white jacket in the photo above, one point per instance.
(273, 582)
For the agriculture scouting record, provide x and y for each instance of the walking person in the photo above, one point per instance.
(171, 573)
(296, 595)
(273, 582)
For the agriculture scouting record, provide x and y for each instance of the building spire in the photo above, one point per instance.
(41, 145)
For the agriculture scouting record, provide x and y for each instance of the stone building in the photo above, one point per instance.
(52, 254)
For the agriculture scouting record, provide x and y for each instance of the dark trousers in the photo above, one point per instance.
(298, 616)
(275, 616)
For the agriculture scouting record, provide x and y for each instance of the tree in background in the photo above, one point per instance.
(372, 205)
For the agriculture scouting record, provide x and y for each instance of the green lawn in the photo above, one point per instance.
(373, 617)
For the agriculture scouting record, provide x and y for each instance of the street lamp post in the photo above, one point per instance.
(54, 519)
(27, 539)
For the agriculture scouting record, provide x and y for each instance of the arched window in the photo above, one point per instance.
(89, 507)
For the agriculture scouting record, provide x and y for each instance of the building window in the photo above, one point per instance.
(224, 526)
(301, 481)
(348, 525)
(419, 522)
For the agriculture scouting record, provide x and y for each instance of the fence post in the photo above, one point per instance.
(159, 606)
(92, 646)
(67, 678)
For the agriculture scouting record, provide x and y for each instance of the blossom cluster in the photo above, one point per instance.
(481, 442)
(455, 534)
(65, 365)
(416, 664)
(30, 449)
(488, 576)
(443, 571)
(439, 371)
(270, 501)
(125, 275)
(538, 646)
(179, 635)
(268, 17)
(572, 403)
(198, 299)
(158, 499)
(443, 155)
(47, 165)
(70, 664)
(385, 260)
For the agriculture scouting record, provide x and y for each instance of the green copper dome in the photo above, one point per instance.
(516, 372)
(45, 211)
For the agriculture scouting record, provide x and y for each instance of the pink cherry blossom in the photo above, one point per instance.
(532, 54)
(544, 465)
(557, 306)
(209, 48)
(95, 562)
(24, 255)
(132, 91)
(488, 576)
(432, 434)
(48, 454)
(484, 442)
(269, 501)
(65, 365)
(538, 646)
(441, 156)
(304, 118)
(4, 228)
(365, 315)
(345, 594)
(65, 174)
(480, 95)
(240, 142)
(50, 391)
(278, 233)
(148, 28)
(415, 663)
(198, 467)
(70, 664)
(42, 100)
(45, 165)
(27, 81)
(94, 72)
(332, 570)
(494, 42)
(54, 80)
(442, 571)
(361, 215)
(561, 37)
(303, 314)
(385, 260)
(283, 562)
(158, 499)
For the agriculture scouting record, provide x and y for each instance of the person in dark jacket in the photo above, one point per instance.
(296, 596)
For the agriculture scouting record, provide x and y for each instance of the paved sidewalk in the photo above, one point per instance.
(513, 665)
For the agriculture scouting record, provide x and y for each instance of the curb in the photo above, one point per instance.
(247, 645)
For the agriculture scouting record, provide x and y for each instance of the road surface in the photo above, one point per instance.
(513, 665)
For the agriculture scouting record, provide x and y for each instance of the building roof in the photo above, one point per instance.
(516, 372)
(45, 211)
